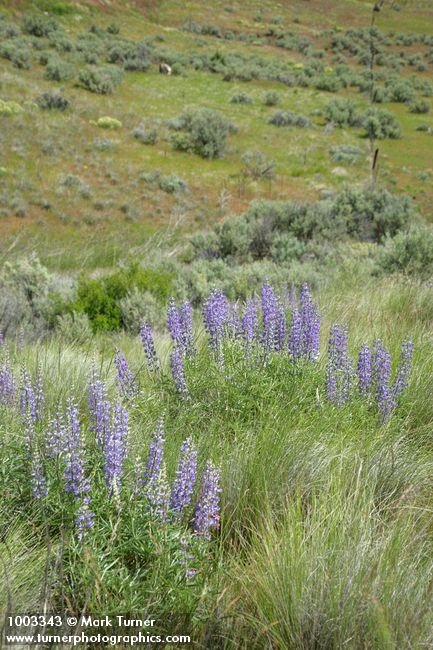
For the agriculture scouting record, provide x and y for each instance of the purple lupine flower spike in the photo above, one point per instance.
(8, 385)
(185, 316)
(2, 339)
(339, 369)
(75, 481)
(206, 514)
(295, 335)
(250, 325)
(310, 324)
(115, 448)
(178, 372)
(234, 324)
(174, 323)
(401, 381)
(155, 455)
(85, 518)
(39, 395)
(149, 346)
(381, 372)
(183, 484)
(269, 316)
(216, 313)
(124, 379)
(38, 480)
(56, 436)
(364, 370)
(158, 494)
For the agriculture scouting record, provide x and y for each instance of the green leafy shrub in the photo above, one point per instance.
(409, 252)
(52, 100)
(205, 132)
(380, 124)
(101, 298)
(102, 81)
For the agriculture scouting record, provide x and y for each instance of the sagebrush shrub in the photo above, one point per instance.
(420, 106)
(39, 26)
(52, 100)
(257, 165)
(102, 81)
(380, 124)
(204, 132)
(172, 184)
(241, 98)
(271, 98)
(281, 118)
(57, 70)
(342, 112)
(409, 252)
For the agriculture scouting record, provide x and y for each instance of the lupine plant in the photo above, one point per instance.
(125, 380)
(149, 346)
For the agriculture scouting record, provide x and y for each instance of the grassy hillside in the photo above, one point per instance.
(109, 194)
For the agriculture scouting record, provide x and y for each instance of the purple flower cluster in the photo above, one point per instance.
(155, 455)
(381, 370)
(250, 325)
(149, 346)
(364, 370)
(75, 480)
(178, 371)
(373, 372)
(304, 335)
(216, 314)
(8, 385)
(274, 320)
(99, 408)
(31, 398)
(179, 322)
(183, 484)
(166, 503)
(85, 518)
(311, 321)
(115, 448)
(56, 435)
(339, 368)
(38, 481)
(125, 380)
(206, 514)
